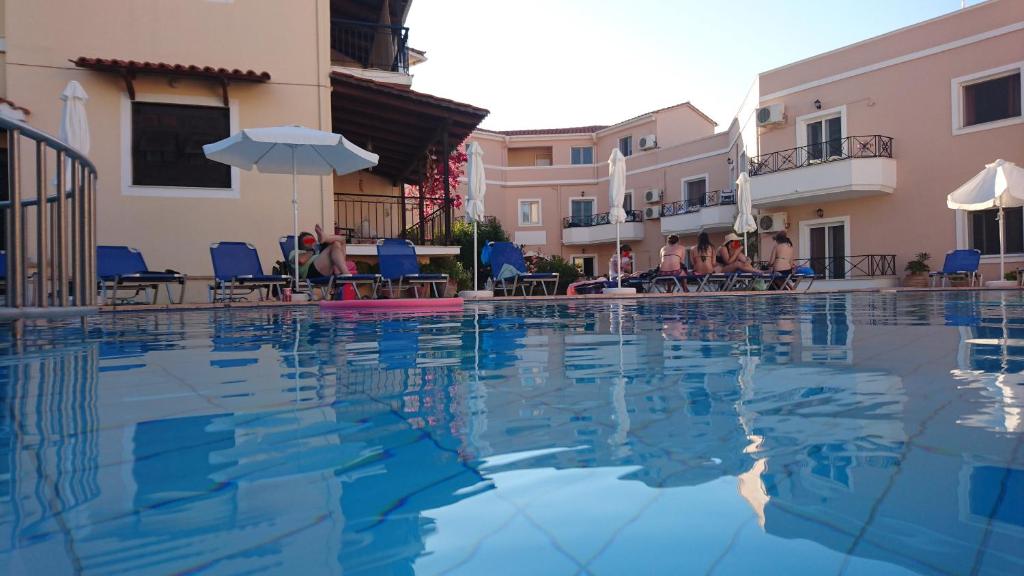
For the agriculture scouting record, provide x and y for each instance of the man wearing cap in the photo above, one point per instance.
(730, 256)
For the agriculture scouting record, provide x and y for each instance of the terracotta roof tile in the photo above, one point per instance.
(113, 64)
(549, 131)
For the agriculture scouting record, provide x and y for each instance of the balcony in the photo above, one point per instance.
(596, 229)
(841, 169)
(715, 211)
(369, 46)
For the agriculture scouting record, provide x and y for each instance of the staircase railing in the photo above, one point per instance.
(60, 213)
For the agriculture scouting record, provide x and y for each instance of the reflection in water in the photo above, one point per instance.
(872, 434)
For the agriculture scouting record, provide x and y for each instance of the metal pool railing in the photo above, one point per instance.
(59, 214)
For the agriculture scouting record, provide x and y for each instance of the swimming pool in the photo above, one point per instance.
(815, 434)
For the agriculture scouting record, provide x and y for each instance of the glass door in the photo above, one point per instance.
(825, 139)
(582, 212)
(828, 250)
(587, 265)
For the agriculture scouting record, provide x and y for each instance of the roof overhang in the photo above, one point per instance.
(401, 125)
(129, 69)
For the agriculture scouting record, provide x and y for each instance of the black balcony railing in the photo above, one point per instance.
(859, 266)
(875, 146)
(713, 198)
(366, 218)
(371, 45)
(599, 219)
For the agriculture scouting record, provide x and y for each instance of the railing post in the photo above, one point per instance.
(447, 189)
(423, 215)
(73, 238)
(401, 194)
(61, 225)
(15, 250)
(90, 254)
(41, 228)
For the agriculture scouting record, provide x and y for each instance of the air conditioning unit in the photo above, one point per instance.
(653, 195)
(648, 142)
(652, 212)
(776, 222)
(769, 115)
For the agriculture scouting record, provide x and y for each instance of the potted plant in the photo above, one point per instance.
(917, 271)
(458, 277)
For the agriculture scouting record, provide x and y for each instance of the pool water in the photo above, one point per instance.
(834, 434)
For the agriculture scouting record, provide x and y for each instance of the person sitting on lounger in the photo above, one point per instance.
(781, 258)
(702, 256)
(672, 256)
(731, 257)
(329, 261)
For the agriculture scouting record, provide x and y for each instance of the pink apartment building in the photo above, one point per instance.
(852, 152)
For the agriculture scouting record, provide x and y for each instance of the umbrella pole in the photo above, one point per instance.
(295, 221)
(1002, 244)
(476, 250)
(618, 254)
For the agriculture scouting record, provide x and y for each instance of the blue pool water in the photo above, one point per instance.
(837, 434)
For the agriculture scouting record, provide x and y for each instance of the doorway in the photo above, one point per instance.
(825, 243)
(587, 265)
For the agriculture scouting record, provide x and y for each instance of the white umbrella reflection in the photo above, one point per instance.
(620, 437)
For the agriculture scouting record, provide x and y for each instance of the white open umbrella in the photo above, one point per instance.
(745, 212)
(74, 124)
(291, 150)
(1000, 185)
(616, 196)
(476, 190)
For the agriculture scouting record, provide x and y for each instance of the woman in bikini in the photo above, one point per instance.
(672, 255)
(781, 258)
(702, 255)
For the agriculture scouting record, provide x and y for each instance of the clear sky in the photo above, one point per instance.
(556, 63)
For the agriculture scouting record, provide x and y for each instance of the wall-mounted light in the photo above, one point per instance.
(820, 213)
(581, 193)
(817, 104)
(728, 161)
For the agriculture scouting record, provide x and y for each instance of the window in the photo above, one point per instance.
(694, 191)
(627, 202)
(991, 99)
(626, 145)
(582, 154)
(167, 145)
(824, 138)
(529, 212)
(985, 230)
(582, 211)
(542, 159)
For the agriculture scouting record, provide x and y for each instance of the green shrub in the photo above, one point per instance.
(567, 273)
(452, 267)
(919, 264)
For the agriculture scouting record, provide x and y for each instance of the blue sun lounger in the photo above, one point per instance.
(326, 284)
(121, 267)
(504, 254)
(398, 266)
(958, 264)
(236, 265)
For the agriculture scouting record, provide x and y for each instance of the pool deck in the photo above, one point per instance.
(555, 298)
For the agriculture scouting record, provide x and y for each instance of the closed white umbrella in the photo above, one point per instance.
(477, 189)
(74, 123)
(291, 150)
(1000, 185)
(745, 212)
(616, 196)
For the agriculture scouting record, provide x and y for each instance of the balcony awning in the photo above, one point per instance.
(401, 125)
(129, 69)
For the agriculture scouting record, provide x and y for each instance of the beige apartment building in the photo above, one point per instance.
(852, 152)
(165, 77)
